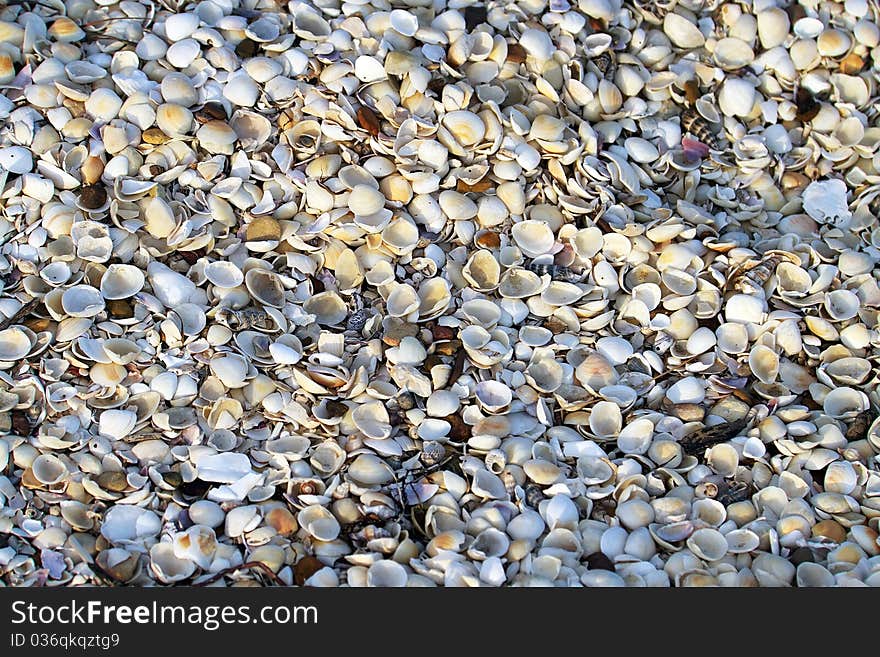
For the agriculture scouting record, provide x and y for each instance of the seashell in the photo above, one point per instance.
(489, 543)
(736, 97)
(206, 513)
(841, 304)
(844, 402)
(117, 424)
(216, 137)
(635, 513)
(833, 43)
(682, 32)
(708, 544)
(487, 485)
(482, 270)
(537, 43)
(124, 524)
(810, 575)
(120, 564)
(327, 458)
(519, 283)
(825, 201)
(773, 27)
(689, 390)
(15, 344)
(82, 301)
(49, 470)
(266, 287)
(764, 363)
(369, 470)
(121, 282)
(386, 573)
(169, 287)
(840, 477)
(167, 567)
(174, 120)
(740, 541)
(223, 274)
(197, 544)
(223, 468)
(733, 53)
(319, 523)
(605, 419)
(492, 396)
(16, 159)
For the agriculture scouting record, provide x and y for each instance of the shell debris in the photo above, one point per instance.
(416, 294)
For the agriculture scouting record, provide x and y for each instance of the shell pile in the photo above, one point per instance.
(408, 293)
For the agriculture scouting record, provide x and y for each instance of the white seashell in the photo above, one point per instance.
(224, 468)
(606, 420)
(537, 43)
(182, 53)
(121, 281)
(635, 513)
(49, 470)
(833, 43)
(224, 274)
(216, 137)
(125, 523)
(180, 26)
(117, 424)
(842, 304)
(825, 201)
(689, 390)
(487, 485)
(732, 54)
(230, 369)
(103, 104)
(365, 200)
(682, 32)
(559, 512)
(840, 477)
(492, 396)
(810, 575)
(457, 207)
(708, 544)
(764, 363)
(527, 526)
(773, 27)
(744, 309)
(167, 567)
(404, 22)
(736, 97)
(723, 459)
(319, 523)
(489, 543)
(386, 574)
(171, 288)
(174, 120)
(740, 541)
(15, 344)
(197, 544)
(465, 128)
(207, 513)
(241, 519)
(16, 159)
(369, 470)
(541, 472)
(82, 301)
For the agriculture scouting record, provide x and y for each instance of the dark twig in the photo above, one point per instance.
(259, 565)
(457, 367)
